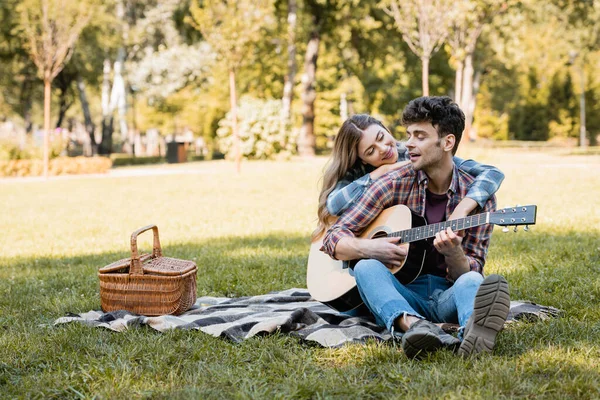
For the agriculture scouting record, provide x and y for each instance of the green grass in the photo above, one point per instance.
(248, 233)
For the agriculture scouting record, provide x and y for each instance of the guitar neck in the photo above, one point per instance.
(428, 231)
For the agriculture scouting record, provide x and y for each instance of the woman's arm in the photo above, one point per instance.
(347, 192)
(487, 182)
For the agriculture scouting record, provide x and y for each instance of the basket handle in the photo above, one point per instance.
(136, 265)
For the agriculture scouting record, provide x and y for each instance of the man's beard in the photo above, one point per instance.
(424, 164)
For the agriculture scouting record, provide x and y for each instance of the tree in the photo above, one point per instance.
(424, 25)
(19, 76)
(307, 139)
(288, 87)
(584, 37)
(231, 27)
(468, 19)
(52, 28)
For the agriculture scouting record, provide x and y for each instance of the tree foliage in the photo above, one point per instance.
(526, 62)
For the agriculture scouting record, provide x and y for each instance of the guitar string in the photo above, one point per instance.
(427, 231)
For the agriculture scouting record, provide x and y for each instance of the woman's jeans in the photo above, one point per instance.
(430, 297)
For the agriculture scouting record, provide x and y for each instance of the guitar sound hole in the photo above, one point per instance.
(379, 235)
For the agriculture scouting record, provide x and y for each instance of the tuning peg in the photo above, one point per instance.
(514, 230)
(505, 229)
(526, 229)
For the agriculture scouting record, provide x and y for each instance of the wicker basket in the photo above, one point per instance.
(149, 284)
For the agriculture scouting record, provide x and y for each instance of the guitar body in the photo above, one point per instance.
(332, 284)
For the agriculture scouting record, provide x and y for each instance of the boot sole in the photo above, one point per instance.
(490, 310)
(418, 344)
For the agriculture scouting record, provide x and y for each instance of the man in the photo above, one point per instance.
(450, 285)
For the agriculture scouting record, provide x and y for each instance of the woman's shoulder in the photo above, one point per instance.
(357, 172)
(402, 173)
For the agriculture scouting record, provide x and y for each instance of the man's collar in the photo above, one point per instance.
(454, 183)
(422, 177)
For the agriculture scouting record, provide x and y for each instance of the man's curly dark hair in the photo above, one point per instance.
(444, 114)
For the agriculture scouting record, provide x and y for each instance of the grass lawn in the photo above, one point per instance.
(248, 233)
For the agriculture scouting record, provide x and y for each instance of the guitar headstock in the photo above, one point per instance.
(518, 215)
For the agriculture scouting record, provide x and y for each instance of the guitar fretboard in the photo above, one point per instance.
(427, 231)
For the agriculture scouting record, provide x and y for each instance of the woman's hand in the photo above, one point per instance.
(385, 168)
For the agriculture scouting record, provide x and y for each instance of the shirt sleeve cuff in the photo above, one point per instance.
(364, 180)
(478, 199)
(332, 239)
(475, 265)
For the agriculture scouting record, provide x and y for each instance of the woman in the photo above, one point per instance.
(357, 160)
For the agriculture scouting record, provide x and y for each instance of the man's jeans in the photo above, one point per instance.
(430, 297)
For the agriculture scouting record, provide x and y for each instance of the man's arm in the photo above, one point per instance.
(385, 250)
(341, 240)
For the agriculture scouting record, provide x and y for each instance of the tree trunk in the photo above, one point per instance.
(47, 86)
(63, 107)
(236, 134)
(306, 139)
(425, 75)
(105, 147)
(458, 82)
(467, 95)
(288, 87)
(470, 108)
(582, 127)
(118, 101)
(90, 128)
(26, 101)
(63, 82)
(343, 107)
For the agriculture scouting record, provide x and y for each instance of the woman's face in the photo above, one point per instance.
(377, 147)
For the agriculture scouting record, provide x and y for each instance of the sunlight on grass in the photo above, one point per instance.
(368, 354)
(248, 234)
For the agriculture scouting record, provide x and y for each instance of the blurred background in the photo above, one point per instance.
(141, 81)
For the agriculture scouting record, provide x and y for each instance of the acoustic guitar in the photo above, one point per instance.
(331, 283)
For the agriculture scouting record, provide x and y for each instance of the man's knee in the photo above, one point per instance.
(366, 268)
(469, 279)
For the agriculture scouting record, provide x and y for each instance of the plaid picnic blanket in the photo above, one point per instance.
(290, 311)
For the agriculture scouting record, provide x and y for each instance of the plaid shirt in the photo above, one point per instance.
(407, 186)
(349, 189)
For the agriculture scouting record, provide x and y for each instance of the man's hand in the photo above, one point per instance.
(387, 251)
(448, 243)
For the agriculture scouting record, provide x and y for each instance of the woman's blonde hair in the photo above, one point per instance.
(344, 161)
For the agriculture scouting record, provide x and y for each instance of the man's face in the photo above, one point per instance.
(424, 145)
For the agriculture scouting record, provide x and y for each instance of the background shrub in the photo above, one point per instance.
(56, 166)
(119, 160)
(259, 125)
(11, 148)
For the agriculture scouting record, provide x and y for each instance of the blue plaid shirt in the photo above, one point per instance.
(355, 182)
